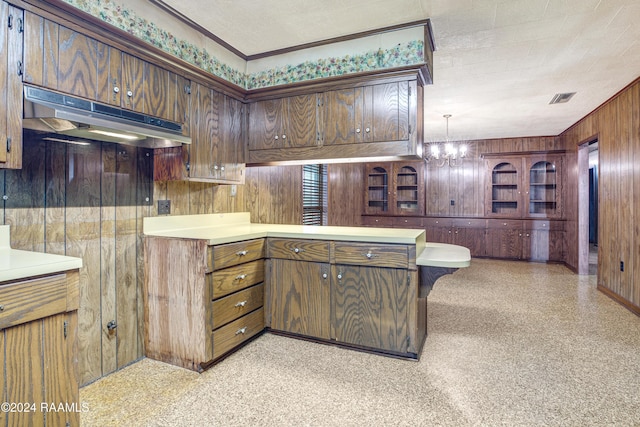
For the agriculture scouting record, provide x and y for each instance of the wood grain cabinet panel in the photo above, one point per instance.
(371, 307)
(298, 249)
(290, 122)
(394, 188)
(11, 100)
(299, 294)
(38, 345)
(216, 299)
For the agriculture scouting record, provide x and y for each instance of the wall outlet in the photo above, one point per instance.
(452, 202)
(234, 190)
(164, 207)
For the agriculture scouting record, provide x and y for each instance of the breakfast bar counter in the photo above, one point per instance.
(214, 281)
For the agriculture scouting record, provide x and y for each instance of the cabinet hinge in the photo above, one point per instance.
(8, 144)
(20, 69)
(188, 166)
(66, 327)
(10, 22)
(408, 280)
(409, 90)
(20, 25)
(410, 129)
(187, 89)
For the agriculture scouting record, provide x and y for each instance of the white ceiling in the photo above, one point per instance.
(497, 65)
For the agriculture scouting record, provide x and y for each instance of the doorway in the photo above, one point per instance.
(588, 208)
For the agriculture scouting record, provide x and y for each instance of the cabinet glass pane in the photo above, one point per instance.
(407, 189)
(504, 189)
(378, 190)
(542, 189)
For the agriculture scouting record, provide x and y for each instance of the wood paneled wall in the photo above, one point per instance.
(616, 126)
(89, 202)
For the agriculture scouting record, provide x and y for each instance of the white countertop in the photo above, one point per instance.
(444, 255)
(16, 264)
(232, 227)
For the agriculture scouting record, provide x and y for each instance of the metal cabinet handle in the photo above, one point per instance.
(284, 136)
(358, 130)
(297, 250)
(324, 275)
(369, 255)
(129, 93)
(241, 304)
(367, 130)
(116, 89)
(241, 276)
(275, 137)
(242, 253)
(339, 276)
(241, 331)
(1, 307)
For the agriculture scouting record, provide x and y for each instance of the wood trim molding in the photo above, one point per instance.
(620, 300)
(521, 153)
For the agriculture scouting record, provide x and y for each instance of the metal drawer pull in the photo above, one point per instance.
(241, 276)
(242, 253)
(324, 275)
(241, 331)
(1, 307)
(369, 255)
(241, 304)
(339, 276)
(297, 250)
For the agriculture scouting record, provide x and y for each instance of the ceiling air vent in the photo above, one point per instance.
(560, 98)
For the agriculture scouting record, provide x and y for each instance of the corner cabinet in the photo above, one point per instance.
(524, 186)
(394, 188)
(11, 37)
(362, 119)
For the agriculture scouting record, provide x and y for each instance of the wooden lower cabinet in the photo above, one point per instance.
(535, 240)
(38, 351)
(371, 307)
(300, 297)
(362, 295)
(201, 301)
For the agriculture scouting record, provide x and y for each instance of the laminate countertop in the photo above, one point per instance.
(232, 227)
(17, 264)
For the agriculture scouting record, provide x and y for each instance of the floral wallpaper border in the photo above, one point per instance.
(411, 53)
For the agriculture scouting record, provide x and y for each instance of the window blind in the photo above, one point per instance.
(314, 195)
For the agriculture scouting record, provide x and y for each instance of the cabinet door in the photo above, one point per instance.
(77, 64)
(370, 307)
(109, 75)
(132, 83)
(155, 92)
(543, 240)
(385, 112)
(505, 239)
(378, 190)
(300, 126)
(11, 44)
(231, 150)
(182, 102)
(299, 294)
(504, 188)
(408, 188)
(544, 186)
(265, 124)
(339, 124)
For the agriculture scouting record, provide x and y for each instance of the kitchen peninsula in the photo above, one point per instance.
(214, 281)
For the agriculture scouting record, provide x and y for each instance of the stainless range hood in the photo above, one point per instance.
(79, 120)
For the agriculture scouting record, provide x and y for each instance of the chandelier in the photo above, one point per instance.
(446, 153)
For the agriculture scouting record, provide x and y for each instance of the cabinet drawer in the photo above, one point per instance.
(233, 279)
(437, 222)
(371, 254)
(377, 221)
(410, 222)
(237, 305)
(236, 332)
(545, 225)
(469, 222)
(222, 256)
(22, 302)
(298, 249)
(510, 224)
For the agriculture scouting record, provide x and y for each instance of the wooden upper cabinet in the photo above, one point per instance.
(394, 188)
(216, 152)
(11, 47)
(524, 186)
(61, 59)
(375, 113)
(284, 123)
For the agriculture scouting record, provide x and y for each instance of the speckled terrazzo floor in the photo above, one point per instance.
(510, 344)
